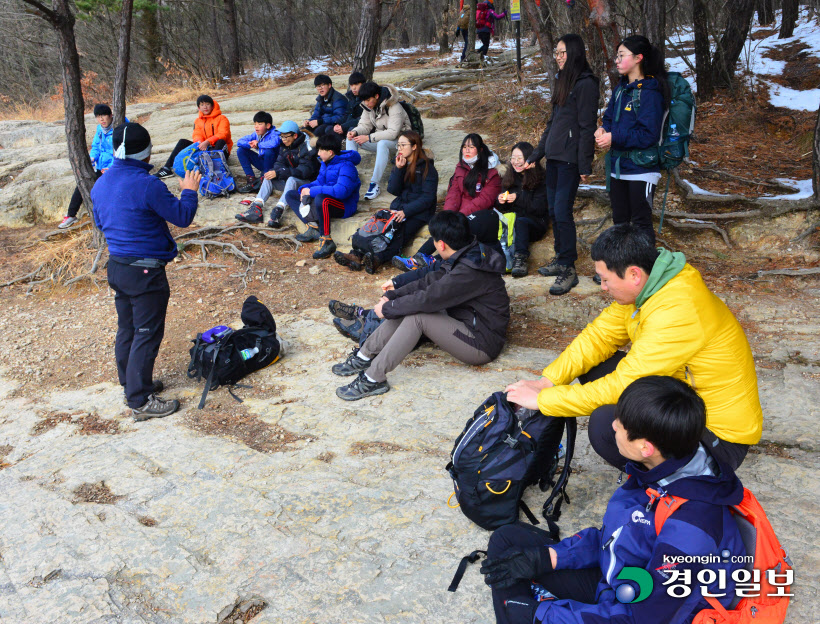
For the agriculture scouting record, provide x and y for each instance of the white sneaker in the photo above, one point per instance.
(67, 222)
(373, 191)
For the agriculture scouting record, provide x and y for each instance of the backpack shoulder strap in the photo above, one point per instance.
(665, 506)
(210, 378)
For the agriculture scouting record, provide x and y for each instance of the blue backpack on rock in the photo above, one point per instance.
(217, 180)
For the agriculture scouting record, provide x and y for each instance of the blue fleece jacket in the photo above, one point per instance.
(631, 131)
(269, 141)
(702, 526)
(331, 109)
(338, 178)
(131, 207)
(102, 149)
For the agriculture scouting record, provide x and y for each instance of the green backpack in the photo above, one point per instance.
(415, 117)
(679, 122)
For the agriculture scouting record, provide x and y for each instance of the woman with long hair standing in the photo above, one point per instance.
(568, 144)
(631, 131)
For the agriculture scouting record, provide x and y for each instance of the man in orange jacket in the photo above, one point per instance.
(212, 130)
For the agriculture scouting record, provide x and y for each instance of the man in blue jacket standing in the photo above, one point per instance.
(658, 424)
(131, 208)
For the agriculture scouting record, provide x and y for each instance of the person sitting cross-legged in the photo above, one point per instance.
(265, 140)
(331, 107)
(462, 306)
(658, 427)
(333, 194)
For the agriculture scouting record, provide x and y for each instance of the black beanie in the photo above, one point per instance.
(322, 79)
(137, 141)
(102, 109)
(356, 78)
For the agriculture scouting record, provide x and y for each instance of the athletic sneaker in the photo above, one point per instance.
(361, 387)
(67, 222)
(551, 269)
(565, 282)
(351, 366)
(164, 172)
(252, 215)
(349, 329)
(345, 311)
(418, 261)
(252, 185)
(155, 407)
(423, 260)
(372, 191)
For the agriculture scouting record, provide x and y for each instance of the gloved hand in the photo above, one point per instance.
(522, 565)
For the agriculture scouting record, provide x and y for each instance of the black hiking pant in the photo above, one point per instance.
(632, 203)
(141, 299)
(526, 231)
(516, 605)
(77, 199)
(562, 186)
(183, 143)
(484, 36)
(602, 436)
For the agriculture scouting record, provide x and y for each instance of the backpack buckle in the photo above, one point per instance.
(510, 441)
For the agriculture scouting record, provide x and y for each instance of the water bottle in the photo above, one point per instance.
(540, 593)
(674, 135)
(561, 452)
(247, 354)
(389, 235)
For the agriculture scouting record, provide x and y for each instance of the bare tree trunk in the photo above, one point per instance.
(152, 37)
(654, 20)
(234, 65)
(791, 10)
(703, 55)
(367, 44)
(739, 20)
(62, 20)
(765, 12)
(815, 159)
(608, 36)
(471, 58)
(123, 59)
(543, 28)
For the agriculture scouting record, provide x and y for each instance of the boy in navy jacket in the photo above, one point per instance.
(131, 208)
(265, 140)
(331, 107)
(659, 421)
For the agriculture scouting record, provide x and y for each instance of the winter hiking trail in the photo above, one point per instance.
(324, 511)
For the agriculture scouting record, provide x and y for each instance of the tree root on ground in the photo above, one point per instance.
(792, 272)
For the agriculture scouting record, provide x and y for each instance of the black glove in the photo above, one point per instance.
(522, 565)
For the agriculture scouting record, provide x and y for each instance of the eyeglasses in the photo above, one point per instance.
(559, 54)
(516, 159)
(287, 135)
(621, 57)
(403, 144)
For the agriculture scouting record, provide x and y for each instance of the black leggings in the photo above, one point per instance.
(632, 203)
(602, 436)
(516, 605)
(77, 199)
(183, 143)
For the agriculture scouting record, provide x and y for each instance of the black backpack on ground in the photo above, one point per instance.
(503, 450)
(416, 123)
(222, 362)
(377, 233)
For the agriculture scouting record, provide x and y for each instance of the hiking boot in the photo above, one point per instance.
(565, 282)
(551, 269)
(252, 215)
(309, 235)
(252, 186)
(156, 387)
(423, 260)
(164, 172)
(326, 248)
(67, 222)
(372, 191)
(404, 264)
(349, 329)
(371, 263)
(519, 267)
(345, 311)
(275, 220)
(155, 407)
(351, 260)
(352, 365)
(597, 279)
(361, 387)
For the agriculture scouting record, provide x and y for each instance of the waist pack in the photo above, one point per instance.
(377, 232)
(225, 357)
(503, 450)
(771, 567)
(217, 180)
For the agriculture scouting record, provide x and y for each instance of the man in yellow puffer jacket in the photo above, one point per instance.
(677, 327)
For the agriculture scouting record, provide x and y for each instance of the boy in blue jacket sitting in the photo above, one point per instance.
(265, 140)
(658, 424)
(334, 194)
(102, 155)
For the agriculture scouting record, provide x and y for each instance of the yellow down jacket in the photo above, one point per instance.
(684, 331)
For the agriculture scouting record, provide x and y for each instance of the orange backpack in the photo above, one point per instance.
(771, 563)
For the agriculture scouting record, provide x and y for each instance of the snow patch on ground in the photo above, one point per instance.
(701, 191)
(793, 99)
(803, 189)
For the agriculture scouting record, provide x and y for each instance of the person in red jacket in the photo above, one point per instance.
(212, 130)
(472, 191)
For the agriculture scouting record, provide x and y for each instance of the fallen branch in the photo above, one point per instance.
(92, 270)
(201, 265)
(731, 176)
(793, 272)
(807, 232)
(25, 277)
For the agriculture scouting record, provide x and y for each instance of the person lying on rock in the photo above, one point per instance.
(131, 207)
(658, 427)
(334, 194)
(676, 326)
(462, 307)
